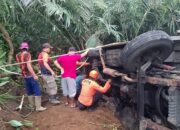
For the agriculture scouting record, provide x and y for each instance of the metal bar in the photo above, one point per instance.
(140, 96)
(140, 90)
(163, 81)
(101, 57)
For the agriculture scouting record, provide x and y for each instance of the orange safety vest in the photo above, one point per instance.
(21, 57)
(89, 89)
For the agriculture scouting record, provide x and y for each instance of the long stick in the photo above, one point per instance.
(21, 104)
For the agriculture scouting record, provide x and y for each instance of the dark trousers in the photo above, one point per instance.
(32, 86)
(94, 105)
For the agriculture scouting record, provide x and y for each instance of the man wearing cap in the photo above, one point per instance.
(67, 64)
(32, 86)
(48, 74)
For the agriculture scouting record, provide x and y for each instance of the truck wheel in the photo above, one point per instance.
(153, 45)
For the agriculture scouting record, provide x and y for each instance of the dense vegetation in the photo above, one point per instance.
(78, 23)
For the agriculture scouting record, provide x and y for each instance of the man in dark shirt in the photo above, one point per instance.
(45, 64)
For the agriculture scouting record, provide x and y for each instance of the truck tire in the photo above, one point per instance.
(153, 45)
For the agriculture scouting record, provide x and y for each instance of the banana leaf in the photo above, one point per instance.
(15, 123)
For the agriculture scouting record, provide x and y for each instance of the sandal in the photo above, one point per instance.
(73, 105)
(66, 103)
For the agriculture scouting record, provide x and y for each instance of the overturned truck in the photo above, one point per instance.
(145, 75)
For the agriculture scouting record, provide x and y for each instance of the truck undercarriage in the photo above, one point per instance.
(145, 75)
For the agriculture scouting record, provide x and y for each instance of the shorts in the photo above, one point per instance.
(69, 87)
(32, 87)
(50, 84)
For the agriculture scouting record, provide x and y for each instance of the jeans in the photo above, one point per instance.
(32, 86)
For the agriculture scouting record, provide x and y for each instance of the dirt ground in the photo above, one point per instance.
(61, 117)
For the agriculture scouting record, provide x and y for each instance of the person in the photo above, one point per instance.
(45, 64)
(67, 64)
(81, 74)
(79, 80)
(91, 91)
(32, 86)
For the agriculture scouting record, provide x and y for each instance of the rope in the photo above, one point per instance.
(108, 45)
(34, 60)
(82, 64)
(11, 72)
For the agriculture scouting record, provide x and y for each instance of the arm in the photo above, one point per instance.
(29, 66)
(45, 62)
(58, 66)
(78, 63)
(85, 53)
(102, 89)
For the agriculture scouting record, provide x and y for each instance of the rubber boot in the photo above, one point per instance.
(53, 100)
(31, 102)
(38, 104)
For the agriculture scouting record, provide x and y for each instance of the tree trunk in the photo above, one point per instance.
(7, 38)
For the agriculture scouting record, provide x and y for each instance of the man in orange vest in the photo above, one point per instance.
(30, 78)
(90, 95)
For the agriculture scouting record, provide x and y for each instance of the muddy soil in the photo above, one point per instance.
(61, 117)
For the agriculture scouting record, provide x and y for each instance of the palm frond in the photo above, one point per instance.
(93, 41)
(100, 4)
(111, 29)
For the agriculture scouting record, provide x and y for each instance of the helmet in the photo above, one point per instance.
(94, 74)
(24, 45)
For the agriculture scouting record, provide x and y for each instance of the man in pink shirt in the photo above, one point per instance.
(67, 64)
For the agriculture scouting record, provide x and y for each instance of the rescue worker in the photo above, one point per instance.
(32, 86)
(67, 64)
(45, 64)
(91, 91)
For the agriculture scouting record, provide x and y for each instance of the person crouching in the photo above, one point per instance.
(91, 92)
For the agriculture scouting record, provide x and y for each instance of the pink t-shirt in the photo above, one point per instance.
(68, 62)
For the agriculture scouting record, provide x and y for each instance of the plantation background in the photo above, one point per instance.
(79, 23)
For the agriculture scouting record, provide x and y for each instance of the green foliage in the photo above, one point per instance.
(4, 80)
(2, 54)
(93, 41)
(66, 23)
(137, 16)
(5, 97)
(27, 123)
(17, 124)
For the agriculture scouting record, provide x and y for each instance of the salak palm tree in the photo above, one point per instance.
(79, 20)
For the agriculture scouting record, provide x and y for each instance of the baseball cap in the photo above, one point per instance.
(72, 49)
(46, 45)
(24, 45)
